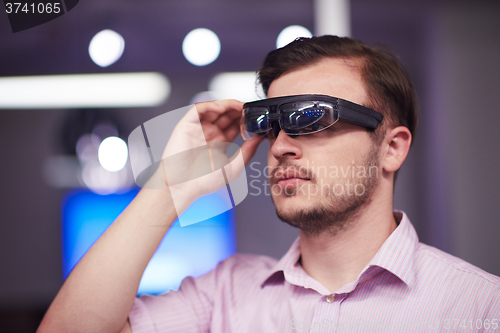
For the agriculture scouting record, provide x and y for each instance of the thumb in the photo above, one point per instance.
(247, 151)
(248, 148)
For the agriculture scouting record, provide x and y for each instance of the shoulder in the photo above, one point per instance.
(245, 265)
(447, 268)
(239, 271)
(454, 286)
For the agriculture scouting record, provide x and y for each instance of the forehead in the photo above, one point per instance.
(331, 76)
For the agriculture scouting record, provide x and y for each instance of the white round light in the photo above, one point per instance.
(113, 153)
(201, 46)
(106, 47)
(289, 34)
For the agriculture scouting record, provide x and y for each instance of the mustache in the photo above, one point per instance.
(300, 171)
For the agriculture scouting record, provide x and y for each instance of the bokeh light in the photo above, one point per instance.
(113, 153)
(290, 33)
(106, 47)
(201, 47)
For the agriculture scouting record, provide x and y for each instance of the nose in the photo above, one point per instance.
(283, 146)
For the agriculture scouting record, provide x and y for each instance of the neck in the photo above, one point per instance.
(337, 259)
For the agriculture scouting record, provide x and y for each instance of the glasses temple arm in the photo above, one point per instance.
(363, 117)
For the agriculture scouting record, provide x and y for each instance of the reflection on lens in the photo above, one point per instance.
(254, 123)
(298, 120)
(257, 121)
(257, 125)
(306, 117)
(295, 118)
(301, 115)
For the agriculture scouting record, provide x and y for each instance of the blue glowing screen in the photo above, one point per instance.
(185, 251)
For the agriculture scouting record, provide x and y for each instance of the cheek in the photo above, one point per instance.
(341, 154)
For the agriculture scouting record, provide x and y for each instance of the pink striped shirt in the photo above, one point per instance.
(407, 287)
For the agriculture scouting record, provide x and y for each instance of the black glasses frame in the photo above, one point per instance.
(346, 110)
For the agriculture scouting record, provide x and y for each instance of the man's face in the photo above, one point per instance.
(320, 181)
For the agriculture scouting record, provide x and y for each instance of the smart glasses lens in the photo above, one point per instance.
(255, 122)
(306, 117)
(295, 118)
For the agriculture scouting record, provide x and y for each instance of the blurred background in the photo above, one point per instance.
(449, 185)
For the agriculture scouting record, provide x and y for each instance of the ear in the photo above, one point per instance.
(397, 144)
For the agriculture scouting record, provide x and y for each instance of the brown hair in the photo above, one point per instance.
(387, 83)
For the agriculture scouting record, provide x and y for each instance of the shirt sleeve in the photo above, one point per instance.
(187, 310)
(205, 303)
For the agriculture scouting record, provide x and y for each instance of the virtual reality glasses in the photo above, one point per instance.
(302, 114)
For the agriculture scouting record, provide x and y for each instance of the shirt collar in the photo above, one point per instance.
(286, 263)
(396, 255)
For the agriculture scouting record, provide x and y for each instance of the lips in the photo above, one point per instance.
(288, 178)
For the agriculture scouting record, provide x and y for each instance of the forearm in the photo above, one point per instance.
(98, 294)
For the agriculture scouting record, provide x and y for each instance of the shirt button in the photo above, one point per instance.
(330, 298)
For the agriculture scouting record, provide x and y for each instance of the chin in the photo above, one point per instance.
(297, 201)
(320, 217)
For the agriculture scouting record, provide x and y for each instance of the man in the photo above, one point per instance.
(357, 265)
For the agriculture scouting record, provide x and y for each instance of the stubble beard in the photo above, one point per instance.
(338, 212)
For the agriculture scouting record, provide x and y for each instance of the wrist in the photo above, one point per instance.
(157, 207)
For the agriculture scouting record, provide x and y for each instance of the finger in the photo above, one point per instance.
(248, 149)
(214, 133)
(210, 111)
(225, 120)
(232, 131)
